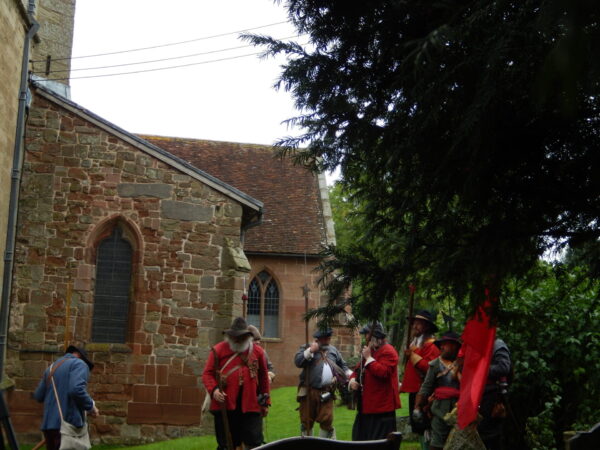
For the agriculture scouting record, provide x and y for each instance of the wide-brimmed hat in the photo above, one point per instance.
(239, 327)
(255, 333)
(323, 333)
(375, 329)
(425, 315)
(448, 336)
(83, 353)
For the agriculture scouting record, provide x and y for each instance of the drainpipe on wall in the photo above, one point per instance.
(14, 188)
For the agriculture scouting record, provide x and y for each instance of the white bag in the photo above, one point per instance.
(74, 438)
(71, 437)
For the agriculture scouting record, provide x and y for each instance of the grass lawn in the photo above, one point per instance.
(283, 421)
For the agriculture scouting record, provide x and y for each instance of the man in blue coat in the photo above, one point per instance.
(70, 373)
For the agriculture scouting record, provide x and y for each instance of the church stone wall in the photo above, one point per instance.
(79, 181)
(13, 28)
(291, 273)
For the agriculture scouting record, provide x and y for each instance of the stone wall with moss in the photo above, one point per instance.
(79, 182)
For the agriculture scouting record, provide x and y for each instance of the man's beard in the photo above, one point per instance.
(238, 347)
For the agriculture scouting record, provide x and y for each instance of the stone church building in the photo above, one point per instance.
(141, 248)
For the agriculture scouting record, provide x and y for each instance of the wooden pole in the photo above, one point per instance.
(226, 428)
(306, 290)
(411, 302)
(39, 445)
(245, 301)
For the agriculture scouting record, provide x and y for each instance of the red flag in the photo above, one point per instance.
(478, 341)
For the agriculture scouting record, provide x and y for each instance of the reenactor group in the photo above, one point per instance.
(238, 374)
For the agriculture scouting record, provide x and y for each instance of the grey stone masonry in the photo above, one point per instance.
(144, 190)
(186, 211)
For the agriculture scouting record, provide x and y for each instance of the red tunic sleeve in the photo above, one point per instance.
(380, 382)
(428, 352)
(384, 365)
(414, 374)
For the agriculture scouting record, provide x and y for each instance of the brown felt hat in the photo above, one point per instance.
(450, 336)
(426, 316)
(239, 327)
(255, 333)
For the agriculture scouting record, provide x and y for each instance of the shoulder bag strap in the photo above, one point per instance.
(55, 366)
(228, 361)
(219, 370)
(337, 369)
(56, 396)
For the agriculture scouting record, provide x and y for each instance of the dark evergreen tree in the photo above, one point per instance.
(467, 129)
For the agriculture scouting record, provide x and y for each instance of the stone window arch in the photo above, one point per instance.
(114, 254)
(263, 304)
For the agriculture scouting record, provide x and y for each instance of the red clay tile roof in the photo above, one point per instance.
(293, 219)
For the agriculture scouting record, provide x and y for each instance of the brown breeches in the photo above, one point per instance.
(320, 412)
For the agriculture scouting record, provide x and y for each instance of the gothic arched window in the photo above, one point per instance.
(113, 286)
(263, 304)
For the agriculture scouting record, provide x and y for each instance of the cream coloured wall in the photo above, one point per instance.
(13, 28)
(56, 19)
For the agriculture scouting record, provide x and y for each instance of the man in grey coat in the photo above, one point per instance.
(325, 366)
(70, 373)
(492, 407)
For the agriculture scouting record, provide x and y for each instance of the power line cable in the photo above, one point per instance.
(165, 45)
(156, 69)
(153, 70)
(157, 60)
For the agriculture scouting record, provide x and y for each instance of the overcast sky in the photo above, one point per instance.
(230, 100)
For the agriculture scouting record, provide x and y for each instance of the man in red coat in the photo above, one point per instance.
(235, 372)
(376, 378)
(421, 351)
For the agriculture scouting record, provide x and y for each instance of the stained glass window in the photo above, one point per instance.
(263, 304)
(111, 296)
(253, 313)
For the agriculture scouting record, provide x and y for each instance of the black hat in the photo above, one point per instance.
(425, 315)
(448, 336)
(375, 329)
(323, 333)
(83, 353)
(239, 327)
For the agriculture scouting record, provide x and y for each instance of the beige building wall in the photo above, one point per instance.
(13, 28)
(55, 38)
(56, 19)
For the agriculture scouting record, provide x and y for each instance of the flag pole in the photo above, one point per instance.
(305, 292)
(411, 304)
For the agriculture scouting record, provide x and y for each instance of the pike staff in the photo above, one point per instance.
(305, 291)
(223, 404)
(411, 303)
(361, 372)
